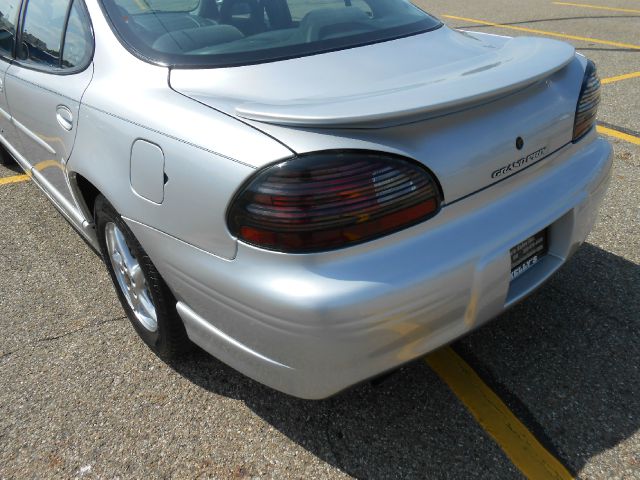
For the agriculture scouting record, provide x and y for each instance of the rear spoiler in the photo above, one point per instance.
(520, 62)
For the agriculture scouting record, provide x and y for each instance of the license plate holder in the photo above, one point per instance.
(528, 253)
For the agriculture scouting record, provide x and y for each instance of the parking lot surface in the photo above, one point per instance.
(82, 397)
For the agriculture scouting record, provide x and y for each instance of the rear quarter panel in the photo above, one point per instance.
(207, 153)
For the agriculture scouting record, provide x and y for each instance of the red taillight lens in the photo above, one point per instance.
(330, 200)
(588, 103)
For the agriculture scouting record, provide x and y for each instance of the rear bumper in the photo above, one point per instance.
(312, 325)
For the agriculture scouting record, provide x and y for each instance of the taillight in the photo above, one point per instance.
(330, 200)
(588, 103)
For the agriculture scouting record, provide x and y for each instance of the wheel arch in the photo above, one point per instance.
(86, 193)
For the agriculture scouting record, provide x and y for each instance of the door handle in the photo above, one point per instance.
(64, 117)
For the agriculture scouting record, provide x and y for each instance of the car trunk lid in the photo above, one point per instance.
(378, 85)
(456, 102)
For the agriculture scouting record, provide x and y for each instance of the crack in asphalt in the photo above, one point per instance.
(5, 355)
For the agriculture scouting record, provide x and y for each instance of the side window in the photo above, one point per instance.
(44, 41)
(42, 32)
(78, 41)
(8, 19)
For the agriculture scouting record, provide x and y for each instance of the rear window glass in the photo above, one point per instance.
(141, 6)
(214, 33)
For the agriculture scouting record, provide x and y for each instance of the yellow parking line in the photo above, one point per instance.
(14, 179)
(627, 76)
(619, 135)
(549, 34)
(522, 448)
(597, 7)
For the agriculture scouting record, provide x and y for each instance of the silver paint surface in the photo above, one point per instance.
(337, 318)
(312, 325)
(38, 101)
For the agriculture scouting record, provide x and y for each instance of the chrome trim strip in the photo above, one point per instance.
(4, 114)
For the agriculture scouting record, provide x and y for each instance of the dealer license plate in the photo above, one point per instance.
(528, 253)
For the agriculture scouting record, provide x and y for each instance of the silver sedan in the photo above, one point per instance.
(313, 191)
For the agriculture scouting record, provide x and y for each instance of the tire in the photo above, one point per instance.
(168, 339)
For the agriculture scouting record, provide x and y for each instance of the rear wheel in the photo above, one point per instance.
(144, 295)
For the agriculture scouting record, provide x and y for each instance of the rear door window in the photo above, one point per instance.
(8, 19)
(42, 32)
(55, 35)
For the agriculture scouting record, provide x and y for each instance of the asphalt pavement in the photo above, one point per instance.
(82, 397)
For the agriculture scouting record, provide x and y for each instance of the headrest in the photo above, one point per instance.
(183, 41)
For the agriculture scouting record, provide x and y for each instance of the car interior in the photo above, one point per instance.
(228, 26)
